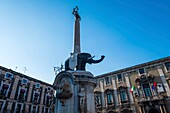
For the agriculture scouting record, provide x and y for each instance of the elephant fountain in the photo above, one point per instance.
(82, 59)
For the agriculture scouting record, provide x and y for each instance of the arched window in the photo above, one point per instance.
(146, 84)
(147, 90)
(154, 110)
(123, 94)
(109, 96)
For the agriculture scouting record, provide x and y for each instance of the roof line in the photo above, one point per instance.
(135, 67)
(24, 76)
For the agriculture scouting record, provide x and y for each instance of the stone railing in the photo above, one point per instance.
(156, 97)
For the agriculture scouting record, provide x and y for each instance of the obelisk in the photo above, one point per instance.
(76, 49)
(76, 44)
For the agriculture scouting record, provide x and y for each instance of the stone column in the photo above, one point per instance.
(42, 99)
(29, 95)
(128, 88)
(119, 99)
(115, 91)
(14, 88)
(13, 92)
(89, 99)
(30, 91)
(160, 71)
(102, 93)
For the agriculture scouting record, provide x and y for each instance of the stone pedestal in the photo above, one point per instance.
(75, 92)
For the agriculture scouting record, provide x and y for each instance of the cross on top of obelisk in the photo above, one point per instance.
(75, 13)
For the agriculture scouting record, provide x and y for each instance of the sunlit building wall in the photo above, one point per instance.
(22, 94)
(142, 88)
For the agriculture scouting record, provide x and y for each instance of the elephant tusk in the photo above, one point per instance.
(91, 57)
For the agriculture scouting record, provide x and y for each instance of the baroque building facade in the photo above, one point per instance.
(143, 88)
(22, 94)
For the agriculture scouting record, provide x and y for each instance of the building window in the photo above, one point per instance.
(119, 77)
(123, 96)
(46, 110)
(22, 93)
(9, 75)
(48, 98)
(109, 98)
(18, 108)
(107, 79)
(147, 90)
(98, 100)
(167, 65)
(24, 81)
(141, 71)
(4, 90)
(36, 97)
(34, 109)
(37, 86)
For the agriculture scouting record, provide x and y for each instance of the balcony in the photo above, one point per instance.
(125, 104)
(148, 99)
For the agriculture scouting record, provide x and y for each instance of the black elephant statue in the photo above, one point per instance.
(82, 59)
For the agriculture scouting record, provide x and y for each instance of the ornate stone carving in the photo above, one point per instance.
(82, 99)
(64, 91)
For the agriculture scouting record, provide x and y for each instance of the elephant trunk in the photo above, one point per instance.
(90, 61)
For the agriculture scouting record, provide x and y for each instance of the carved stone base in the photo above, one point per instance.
(81, 85)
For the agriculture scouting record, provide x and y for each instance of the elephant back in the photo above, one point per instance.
(84, 55)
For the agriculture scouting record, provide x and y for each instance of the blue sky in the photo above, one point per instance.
(39, 34)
